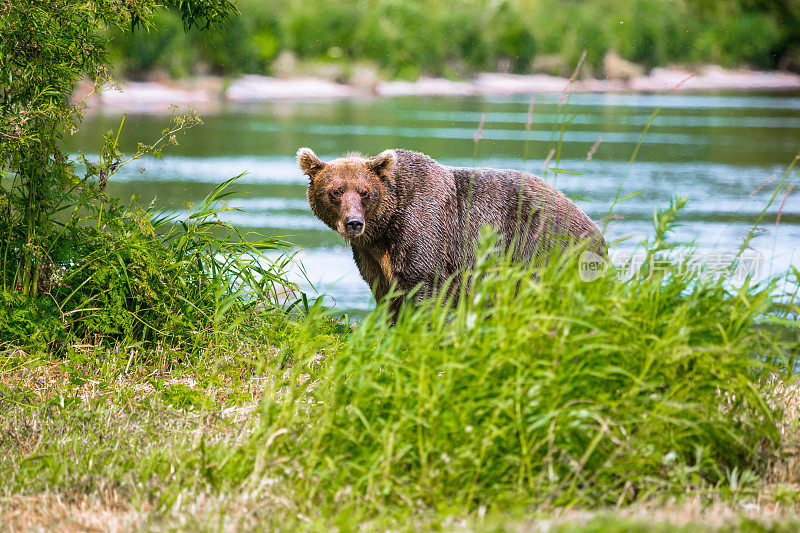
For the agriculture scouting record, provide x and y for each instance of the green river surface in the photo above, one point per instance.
(716, 149)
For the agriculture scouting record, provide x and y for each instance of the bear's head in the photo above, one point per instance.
(350, 194)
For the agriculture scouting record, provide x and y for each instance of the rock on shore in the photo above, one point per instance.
(252, 88)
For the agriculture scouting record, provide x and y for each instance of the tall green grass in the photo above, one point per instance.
(157, 279)
(526, 393)
(133, 276)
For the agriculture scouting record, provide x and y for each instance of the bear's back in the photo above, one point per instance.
(518, 203)
(504, 198)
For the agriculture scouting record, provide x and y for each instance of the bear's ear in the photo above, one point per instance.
(383, 163)
(309, 163)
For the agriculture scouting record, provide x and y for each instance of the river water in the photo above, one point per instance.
(715, 149)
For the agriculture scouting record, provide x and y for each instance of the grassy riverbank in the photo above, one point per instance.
(584, 404)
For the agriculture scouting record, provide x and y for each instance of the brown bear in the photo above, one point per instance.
(412, 222)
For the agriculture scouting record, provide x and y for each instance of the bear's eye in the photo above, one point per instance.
(336, 193)
(364, 194)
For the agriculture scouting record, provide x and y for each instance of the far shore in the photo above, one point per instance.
(208, 93)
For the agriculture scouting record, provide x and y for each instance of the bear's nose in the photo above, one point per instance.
(353, 224)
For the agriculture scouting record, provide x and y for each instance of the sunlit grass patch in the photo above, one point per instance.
(128, 435)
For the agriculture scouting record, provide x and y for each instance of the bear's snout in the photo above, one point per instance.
(354, 226)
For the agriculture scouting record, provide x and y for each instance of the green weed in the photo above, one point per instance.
(180, 396)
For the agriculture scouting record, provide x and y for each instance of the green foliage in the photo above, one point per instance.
(146, 279)
(527, 392)
(409, 37)
(202, 14)
(180, 396)
(129, 275)
(31, 321)
(38, 72)
(75, 265)
(165, 46)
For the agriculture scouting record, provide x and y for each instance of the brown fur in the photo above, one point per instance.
(418, 214)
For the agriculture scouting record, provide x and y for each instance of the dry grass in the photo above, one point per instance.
(786, 469)
(249, 510)
(49, 380)
(50, 512)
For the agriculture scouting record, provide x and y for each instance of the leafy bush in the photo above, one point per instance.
(75, 265)
(149, 279)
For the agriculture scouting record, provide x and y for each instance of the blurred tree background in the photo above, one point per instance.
(454, 38)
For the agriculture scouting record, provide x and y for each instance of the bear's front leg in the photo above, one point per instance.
(378, 268)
